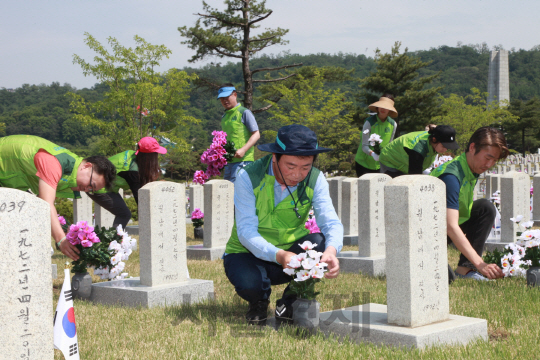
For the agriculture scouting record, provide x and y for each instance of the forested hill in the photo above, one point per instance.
(43, 110)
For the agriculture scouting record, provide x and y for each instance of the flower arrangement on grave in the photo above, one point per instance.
(307, 270)
(441, 160)
(215, 157)
(197, 217)
(496, 200)
(312, 226)
(102, 249)
(516, 258)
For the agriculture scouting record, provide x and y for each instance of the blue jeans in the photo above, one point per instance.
(232, 169)
(252, 277)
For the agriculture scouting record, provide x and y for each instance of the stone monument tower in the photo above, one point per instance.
(498, 78)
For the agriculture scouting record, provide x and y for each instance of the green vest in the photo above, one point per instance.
(467, 180)
(277, 224)
(17, 169)
(124, 161)
(394, 155)
(231, 123)
(384, 129)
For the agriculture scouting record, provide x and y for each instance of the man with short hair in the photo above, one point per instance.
(50, 171)
(272, 198)
(241, 128)
(469, 222)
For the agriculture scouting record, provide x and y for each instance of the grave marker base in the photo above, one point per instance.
(491, 245)
(350, 240)
(352, 262)
(130, 292)
(456, 330)
(132, 230)
(198, 252)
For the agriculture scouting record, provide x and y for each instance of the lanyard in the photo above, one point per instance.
(290, 193)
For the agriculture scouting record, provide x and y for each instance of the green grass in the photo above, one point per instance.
(216, 330)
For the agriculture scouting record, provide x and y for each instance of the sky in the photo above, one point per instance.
(38, 38)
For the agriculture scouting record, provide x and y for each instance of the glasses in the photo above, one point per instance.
(91, 191)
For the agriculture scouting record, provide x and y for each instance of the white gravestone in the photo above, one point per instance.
(536, 200)
(196, 198)
(164, 276)
(335, 189)
(349, 211)
(82, 209)
(417, 314)
(370, 257)
(218, 220)
(515, 200)
(104, 217)
(26, 313)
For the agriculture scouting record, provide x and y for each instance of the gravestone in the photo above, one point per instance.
(530, 169)
(349, 211)
(509, 168)
(196, 198)
(335, 189)
(417, 314)
(25, 290)
(164, 276)
(500, 169)
(494, 185)
(82, 209)
(521, 167)
(536, 200)
(370, 257)
(103, 217)
(218, 220)
(498, 76)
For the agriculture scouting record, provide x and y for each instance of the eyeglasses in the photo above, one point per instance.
(91, 191)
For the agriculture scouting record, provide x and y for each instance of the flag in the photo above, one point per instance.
(65, 330)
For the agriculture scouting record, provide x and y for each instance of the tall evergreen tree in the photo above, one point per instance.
(524, 134)
(397, 74)
(229, 34)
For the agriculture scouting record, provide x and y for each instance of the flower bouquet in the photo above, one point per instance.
(375, 143)
(197, 217)
(307, 270)
(216, 157)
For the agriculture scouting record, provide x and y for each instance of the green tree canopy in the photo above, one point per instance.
(524, 134)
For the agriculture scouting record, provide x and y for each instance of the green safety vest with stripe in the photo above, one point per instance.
(124, 161)
(17, 169)
(237, 132)
(277, 224)
(384, 129)
(467, 180)
(394, 155)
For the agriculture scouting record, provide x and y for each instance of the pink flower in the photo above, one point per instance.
(311, 225)
(74, 228)
(86, 243)
(63, 220)
(200, 177)
(93, 237)
(197, 214)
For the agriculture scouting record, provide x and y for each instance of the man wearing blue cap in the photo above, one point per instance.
(272, 199)
(241, 128)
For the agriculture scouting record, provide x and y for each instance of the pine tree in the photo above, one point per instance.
(525, 132)
(229, 34)
(397, 74)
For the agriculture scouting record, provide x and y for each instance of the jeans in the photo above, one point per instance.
(252, 277)
(113, 203)
(477, 228)
(232, 169)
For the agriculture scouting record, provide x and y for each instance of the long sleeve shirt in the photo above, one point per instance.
(247, 221)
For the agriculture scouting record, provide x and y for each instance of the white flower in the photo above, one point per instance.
(314, 254)
(121, 265)
(289, 271)
(322, 265)
(126, 254)
(366, 131)
(114, 245)
(301, 256)
(309, 263)
(294, 263)
(302, 275)
(133, 244)
(117, 257)
(307, 245)
(527, 224)
(317, 273)
(517, 219)
(121, 231)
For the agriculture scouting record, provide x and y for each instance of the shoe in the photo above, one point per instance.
(451, 275)
(473, 275)
(257, 313)
(284, 311)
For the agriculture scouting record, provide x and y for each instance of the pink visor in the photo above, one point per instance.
(150, 145)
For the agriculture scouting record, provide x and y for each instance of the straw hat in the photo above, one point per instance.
(385, 103)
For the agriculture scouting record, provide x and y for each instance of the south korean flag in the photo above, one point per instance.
(65, 331)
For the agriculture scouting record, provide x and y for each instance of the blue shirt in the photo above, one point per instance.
(452, 190)
(247, 221)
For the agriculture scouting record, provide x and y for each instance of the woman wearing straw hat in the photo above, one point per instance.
(134, 169)
(366, 160)
(414, 152)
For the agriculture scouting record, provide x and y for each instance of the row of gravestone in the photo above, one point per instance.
(529, 168)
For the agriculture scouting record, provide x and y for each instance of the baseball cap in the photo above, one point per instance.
(149, 145)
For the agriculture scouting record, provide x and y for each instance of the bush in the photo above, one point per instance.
(64, 207)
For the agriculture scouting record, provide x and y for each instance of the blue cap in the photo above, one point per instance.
(225, 91)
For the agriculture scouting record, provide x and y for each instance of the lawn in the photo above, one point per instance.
(217, 330)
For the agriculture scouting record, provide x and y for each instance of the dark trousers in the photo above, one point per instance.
(477, 228)
(360, 170)
(252, 277)
(113, 203)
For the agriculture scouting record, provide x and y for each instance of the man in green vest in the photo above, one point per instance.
(241, 128)
(272, 199)
(48, 170)
(469, 222)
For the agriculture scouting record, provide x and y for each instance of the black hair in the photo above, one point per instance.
(102, 166)
(388, 95)
(488, 136)
(149, 169)
(227, 85)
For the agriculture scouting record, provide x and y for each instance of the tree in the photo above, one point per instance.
(397, 74)
(140, 101)
(229, 34)
(526, 131)
(324, 112)
(468, 113)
